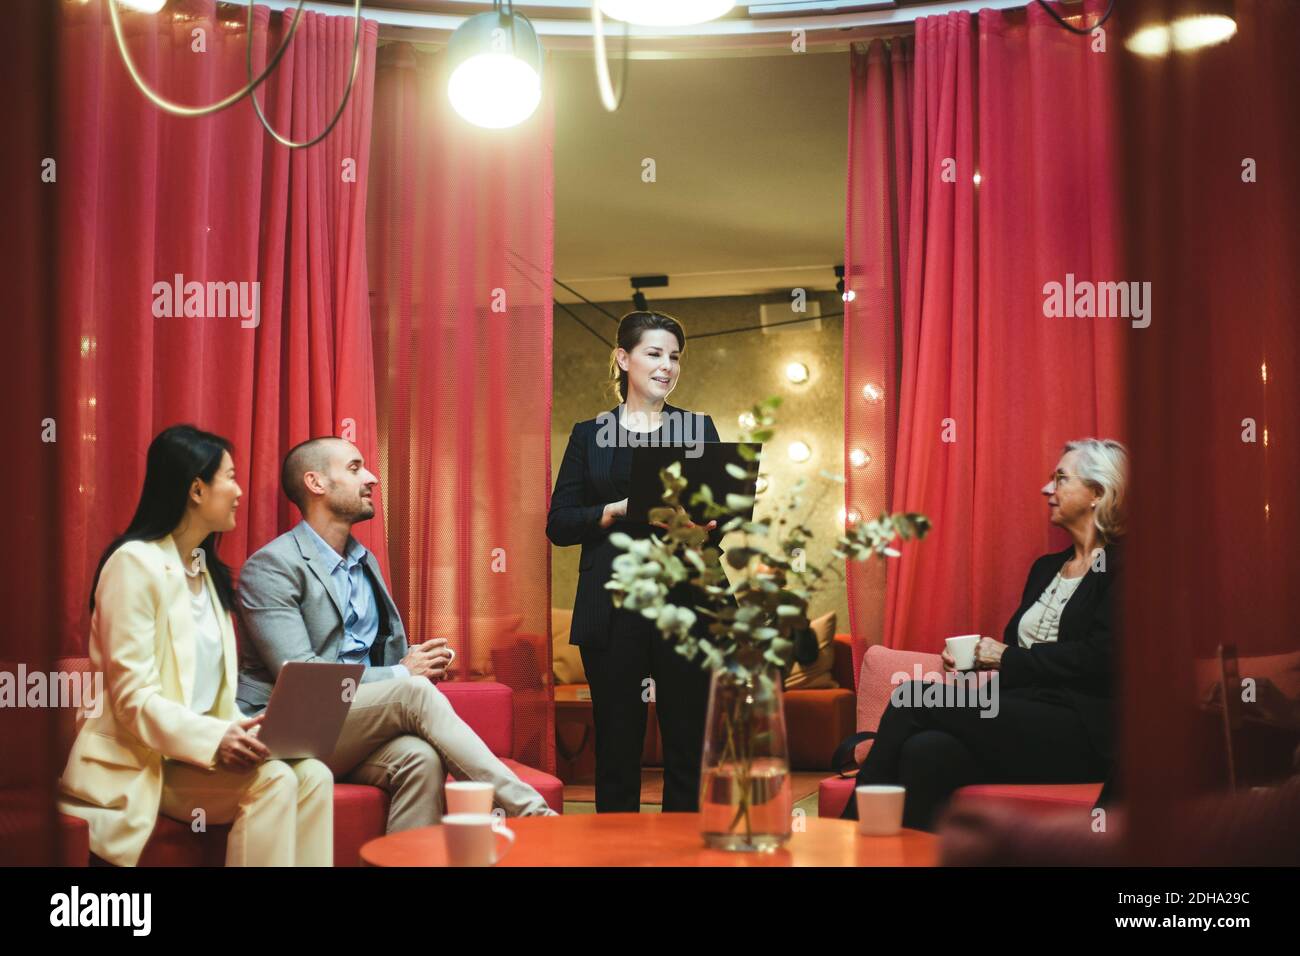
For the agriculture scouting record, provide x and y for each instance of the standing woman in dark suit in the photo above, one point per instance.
(621, 649)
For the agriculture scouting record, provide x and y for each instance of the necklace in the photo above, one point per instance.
(1050, 604)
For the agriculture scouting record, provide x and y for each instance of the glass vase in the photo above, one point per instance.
(746, 799)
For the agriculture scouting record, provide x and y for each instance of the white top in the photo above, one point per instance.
(1044, 617)
(207, 652)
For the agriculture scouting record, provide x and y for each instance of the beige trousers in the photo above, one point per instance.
(282, 811)
(403, 736)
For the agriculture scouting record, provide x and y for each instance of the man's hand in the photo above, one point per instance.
(240, 750)
(430, 659)
(949, 662)
(988, 654)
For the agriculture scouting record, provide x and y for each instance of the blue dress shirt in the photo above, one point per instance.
(347, 577)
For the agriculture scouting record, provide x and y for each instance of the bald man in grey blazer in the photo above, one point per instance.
(316, 594)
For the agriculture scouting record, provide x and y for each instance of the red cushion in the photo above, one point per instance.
(360, 815)
(833, 795)
(488, 707)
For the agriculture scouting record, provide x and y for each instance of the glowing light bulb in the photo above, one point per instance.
(1154, 40)
(797, 372)
(1201, 30)
(859, 458)
(799, 451)
(495, 90)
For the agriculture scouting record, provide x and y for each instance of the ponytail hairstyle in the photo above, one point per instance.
(630, 329)
(177, 456)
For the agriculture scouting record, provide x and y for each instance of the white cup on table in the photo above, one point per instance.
(471, 839)
(880, 809)
(469, 796)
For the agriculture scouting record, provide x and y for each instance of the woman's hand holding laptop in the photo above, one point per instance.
(239, 748)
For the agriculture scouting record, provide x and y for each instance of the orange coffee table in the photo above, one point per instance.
(658, 839)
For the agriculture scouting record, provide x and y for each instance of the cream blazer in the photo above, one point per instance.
(142, 638)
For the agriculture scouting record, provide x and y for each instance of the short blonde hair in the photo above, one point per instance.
(1103, 463)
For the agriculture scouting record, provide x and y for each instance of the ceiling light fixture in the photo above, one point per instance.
(496, 68)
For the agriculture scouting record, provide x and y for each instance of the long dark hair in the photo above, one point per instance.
(630, 329)
(176, 457)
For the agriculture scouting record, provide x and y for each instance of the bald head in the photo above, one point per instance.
(315, 454)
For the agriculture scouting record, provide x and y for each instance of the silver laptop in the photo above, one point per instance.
(308, 705)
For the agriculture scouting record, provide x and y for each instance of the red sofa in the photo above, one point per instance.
(359, 811)
(879, 664)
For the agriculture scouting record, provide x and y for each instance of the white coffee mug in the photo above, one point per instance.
(469, 796)
(962, 649)
(471, 839)
(880, 809)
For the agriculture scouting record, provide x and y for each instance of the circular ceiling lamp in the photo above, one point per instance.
(496, 68)
(665, 13)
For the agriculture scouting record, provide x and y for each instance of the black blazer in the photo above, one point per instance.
(1078, 669)
(582, 489)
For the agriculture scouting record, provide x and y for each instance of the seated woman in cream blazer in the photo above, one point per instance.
(169, 738)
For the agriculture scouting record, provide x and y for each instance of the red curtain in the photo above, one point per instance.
(144, 197)
(460, 240)
(1011, 186)
(875, 251)
(1213, 222)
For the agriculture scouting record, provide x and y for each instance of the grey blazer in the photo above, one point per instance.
(290, 613)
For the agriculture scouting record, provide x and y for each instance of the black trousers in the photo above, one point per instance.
(933, 751)
(619, 695)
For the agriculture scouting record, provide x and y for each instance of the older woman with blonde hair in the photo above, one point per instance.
(1052, 719)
